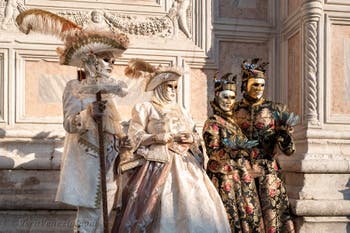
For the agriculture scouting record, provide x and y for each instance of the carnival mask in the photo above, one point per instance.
(255, 87)
(104, 67)
(170, 90)
(226, 100)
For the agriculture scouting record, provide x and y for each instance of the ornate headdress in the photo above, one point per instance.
(226, 82)
(156, 75)
(79, 43)
(253, 69)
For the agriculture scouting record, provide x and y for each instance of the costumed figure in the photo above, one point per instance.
(270, 123)
(93, 133)
(229, 166)
(170, 192)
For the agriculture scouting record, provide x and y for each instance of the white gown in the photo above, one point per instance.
(171, 191)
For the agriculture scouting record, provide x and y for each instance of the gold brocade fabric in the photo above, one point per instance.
(257, 123)
(227, 169)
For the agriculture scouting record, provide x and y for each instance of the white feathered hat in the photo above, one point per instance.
(78, 43)
(155, 75)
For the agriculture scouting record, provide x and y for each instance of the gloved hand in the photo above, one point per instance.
(285, 142)
(125, 143)
(184, 137)
(162, 138)
(97, 109)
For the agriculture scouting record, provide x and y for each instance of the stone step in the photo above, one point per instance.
(41, 221)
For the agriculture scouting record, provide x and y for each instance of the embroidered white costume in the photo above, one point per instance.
(170, 192)
(81, 182)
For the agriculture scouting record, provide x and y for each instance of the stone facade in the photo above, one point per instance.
(306, 43)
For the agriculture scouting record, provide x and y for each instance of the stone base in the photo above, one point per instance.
(323, 224)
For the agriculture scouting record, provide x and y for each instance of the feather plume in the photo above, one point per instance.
(136, 67)
(47, 23)
(255, 60)
(226, 76)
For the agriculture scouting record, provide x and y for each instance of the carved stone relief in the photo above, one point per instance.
(176, 19)
(9, 13)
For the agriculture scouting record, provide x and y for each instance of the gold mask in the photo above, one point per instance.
(255, 87)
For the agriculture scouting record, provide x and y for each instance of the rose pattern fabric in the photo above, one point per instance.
(226, 169)
(257, 123)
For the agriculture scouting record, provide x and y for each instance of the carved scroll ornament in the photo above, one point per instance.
(160, 26)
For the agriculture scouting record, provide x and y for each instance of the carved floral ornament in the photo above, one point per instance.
(162, 26)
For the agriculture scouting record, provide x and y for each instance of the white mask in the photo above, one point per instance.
(104, 67)
(226, 100)
(171, 90)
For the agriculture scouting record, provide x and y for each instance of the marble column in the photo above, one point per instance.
(317, 176)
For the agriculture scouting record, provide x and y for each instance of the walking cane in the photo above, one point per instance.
(102, 168)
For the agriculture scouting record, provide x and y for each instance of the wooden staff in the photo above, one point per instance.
(102, 168)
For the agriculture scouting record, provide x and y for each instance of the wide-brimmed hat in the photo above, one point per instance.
(163, 75)
(101, 44)
(155, 75)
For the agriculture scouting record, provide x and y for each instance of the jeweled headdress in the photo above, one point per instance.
(253, 69)
(156, 75)
(226, 82)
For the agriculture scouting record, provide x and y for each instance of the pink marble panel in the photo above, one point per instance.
(201, 93)
(136, 92)
(232, 54)
(44, 85)
(294, 73)
(45, 82)
(340, 66)
(243, 9)
(293, 5)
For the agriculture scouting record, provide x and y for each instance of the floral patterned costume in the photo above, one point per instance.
(257, 122)
(227, 169)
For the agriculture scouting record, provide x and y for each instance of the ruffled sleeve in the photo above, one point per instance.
(138, 124)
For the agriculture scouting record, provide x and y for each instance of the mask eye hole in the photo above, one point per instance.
(109, 60)
(172, 87)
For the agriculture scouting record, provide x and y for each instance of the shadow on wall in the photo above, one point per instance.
(5, 161)
(2, 132)
(346, 194)
(40, 151)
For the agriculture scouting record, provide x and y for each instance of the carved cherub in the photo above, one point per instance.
(9, 12)
(182, 6)
(97, 22)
